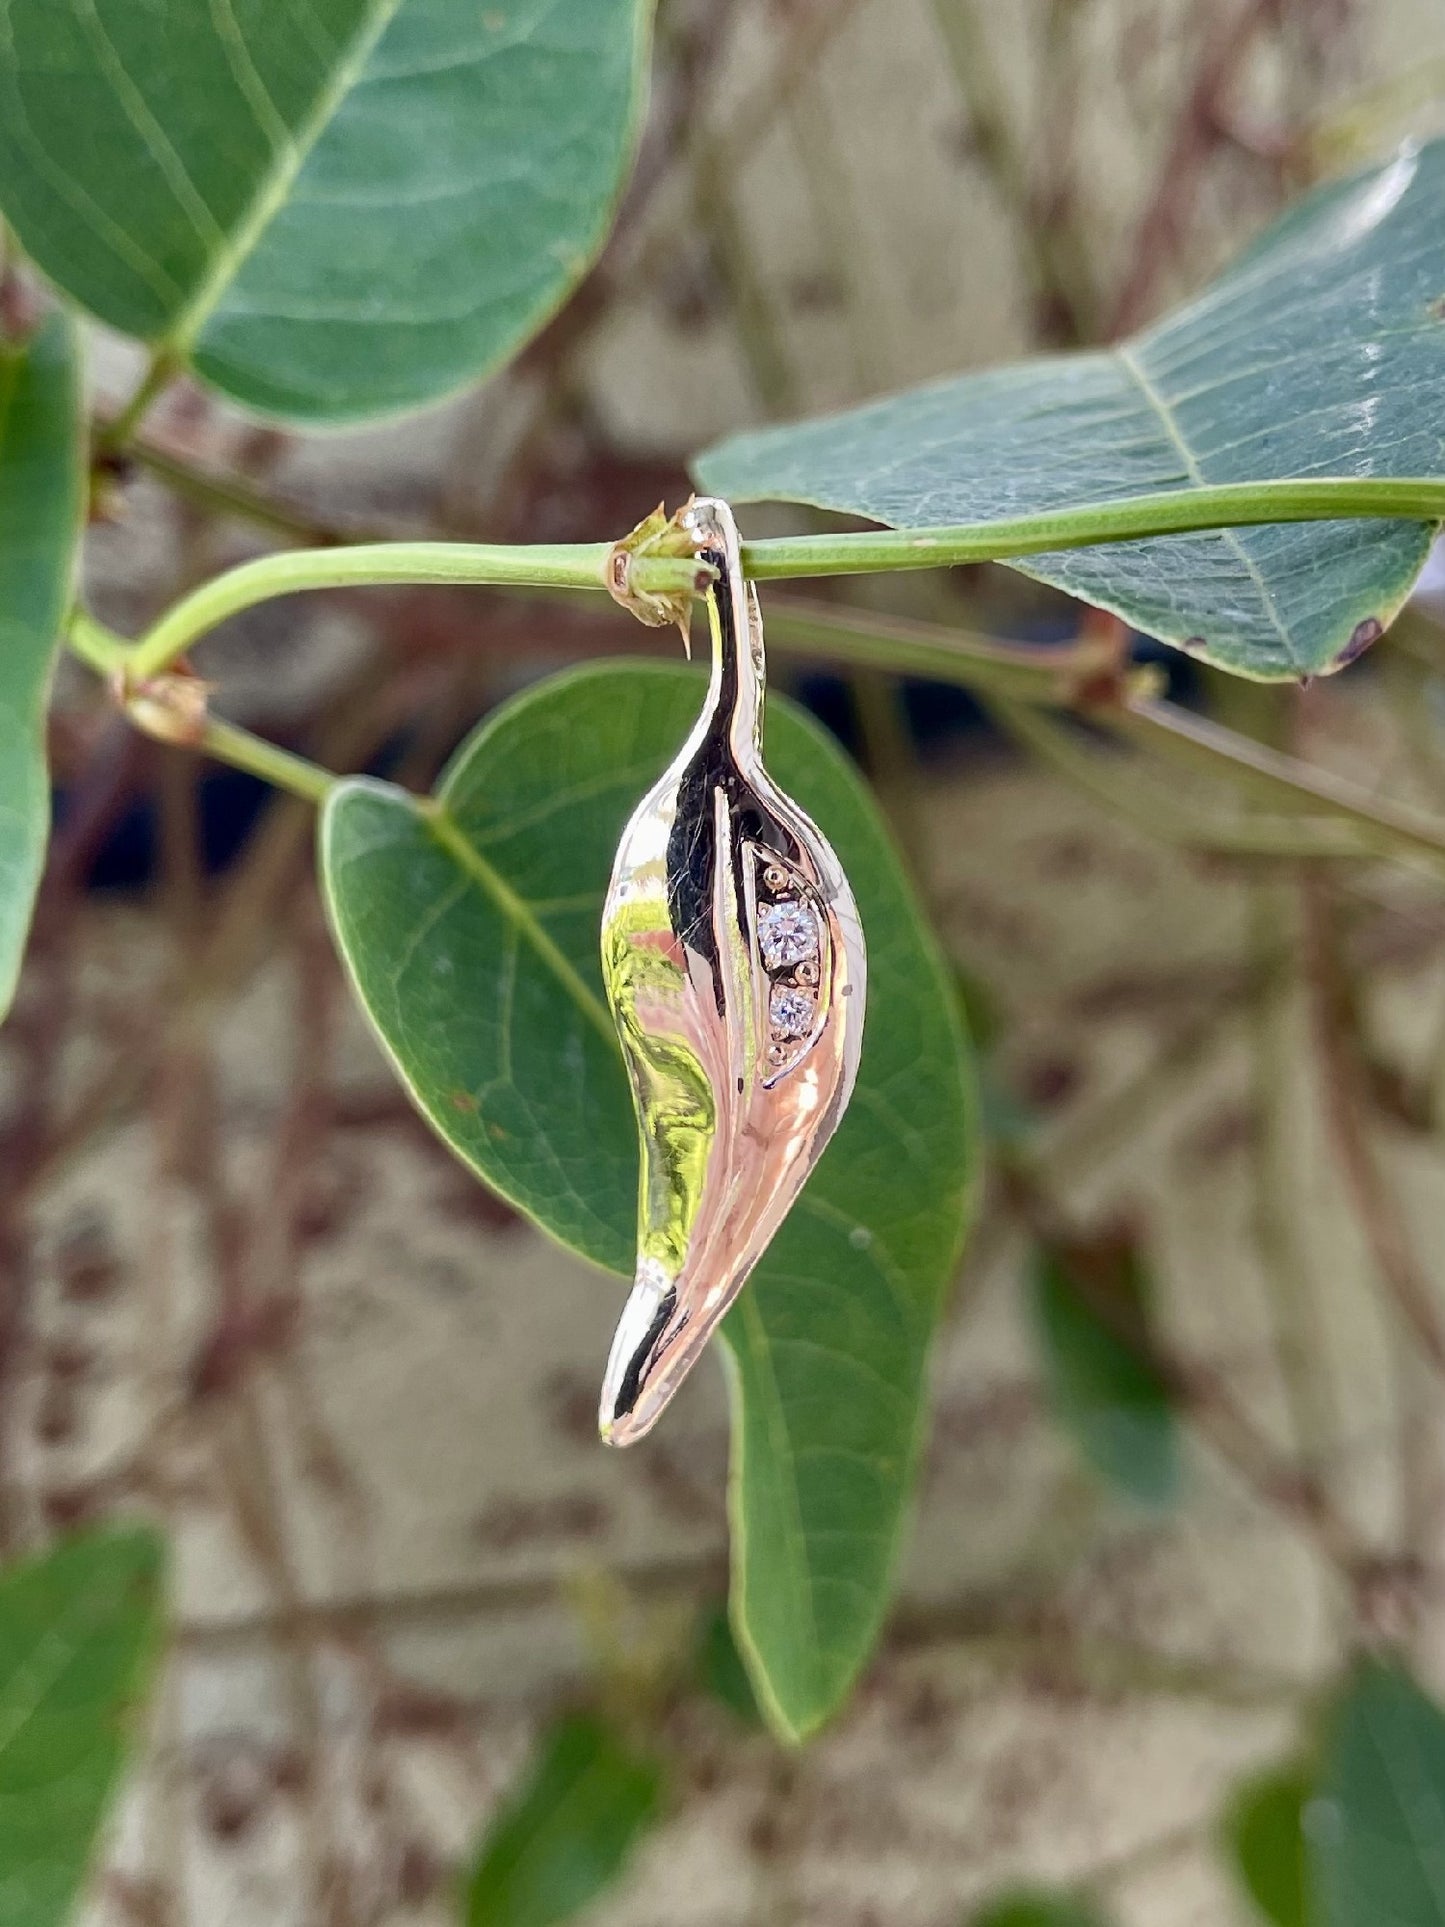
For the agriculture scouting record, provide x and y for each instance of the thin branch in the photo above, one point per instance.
(229, 495)
(1284, 1262)
(1197, 132)
(1058, 262)
(160, 373)
(854, 638)
(1170, 512)
(1012, 673)
(997, 668)
(1378, 1208)
(1269, 772)
(664, 573)
(1160, 812)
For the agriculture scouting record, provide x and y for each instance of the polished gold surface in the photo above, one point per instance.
(735, 968)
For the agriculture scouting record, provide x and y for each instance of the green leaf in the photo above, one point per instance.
(720, 1668)
(328, 210)
(471, 933)
(1090, 1303)
(79, 1631)
(42, 501)
(1265, 1831)
(1376, 1830)
(1314, 355)
(566, 1837)
(1037, 1910)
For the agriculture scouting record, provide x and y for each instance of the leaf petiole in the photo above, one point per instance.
(161, 371)
(579, 566)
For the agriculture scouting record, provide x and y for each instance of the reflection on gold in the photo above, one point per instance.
(740, 1068)
(670, 1088)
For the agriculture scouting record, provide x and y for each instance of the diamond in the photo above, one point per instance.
(787, 933)
(792, 1011)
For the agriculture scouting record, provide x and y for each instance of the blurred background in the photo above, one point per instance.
(251, 1291)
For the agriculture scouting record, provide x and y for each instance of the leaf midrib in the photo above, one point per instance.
(776, 1423)
(519, 913)
(1129, 361)
(276, 182)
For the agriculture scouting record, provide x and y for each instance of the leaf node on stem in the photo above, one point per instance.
(658, 534)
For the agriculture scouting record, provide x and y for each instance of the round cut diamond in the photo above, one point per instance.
(787, 934)
(791, 1011)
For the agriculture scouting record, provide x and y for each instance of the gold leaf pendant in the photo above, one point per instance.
(736, 971)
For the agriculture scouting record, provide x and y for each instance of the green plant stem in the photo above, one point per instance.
(1007, 670)
(389, 563)
(1172, 512)
(95, 645)
(104, 652)
(118, 431)
(279, 767)
(584, 566)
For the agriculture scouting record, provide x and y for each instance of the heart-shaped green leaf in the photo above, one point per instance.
(1314, 355)
(331, 209)
(79, 1630)
(471, 931)
(42, 499)
(1376, 1828)
(565, 1838)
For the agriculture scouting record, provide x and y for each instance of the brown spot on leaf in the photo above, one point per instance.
(1365, 633)
(464, 1101)
(1437, 308)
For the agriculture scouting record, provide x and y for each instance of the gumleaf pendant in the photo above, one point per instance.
(735, 968)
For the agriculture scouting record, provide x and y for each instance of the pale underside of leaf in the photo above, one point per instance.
(1321, 353)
